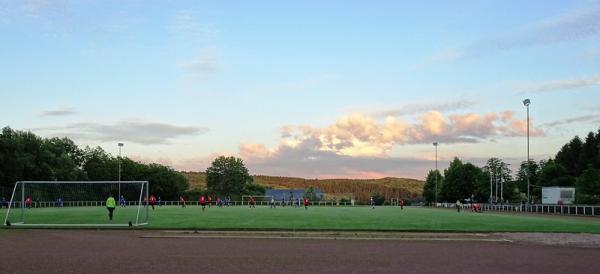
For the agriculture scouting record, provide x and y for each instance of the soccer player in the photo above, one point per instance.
(4, 202)
(251, 202)
(272, 202)
(209, 200)
(401, 204)
(182, 201)
(159, 201)
(283, 201)
(111, 204)
(306, 202)
(28, 202)
(152, 201)
(202, 202)
(122, 201)
(372, 202)
(59, 202)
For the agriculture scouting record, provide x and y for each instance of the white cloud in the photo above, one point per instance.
(411, 109)
(187, 24)
(61, 111)
(140, 132)
(561, 84)
(207, 62)
(569, 26)
(359, 134)
(593, 118)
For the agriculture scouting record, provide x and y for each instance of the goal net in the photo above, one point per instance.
(77, 203)
(259, 200)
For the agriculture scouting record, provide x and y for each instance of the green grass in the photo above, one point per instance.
(319, 218)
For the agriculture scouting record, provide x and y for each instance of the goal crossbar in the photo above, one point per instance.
(144, 186)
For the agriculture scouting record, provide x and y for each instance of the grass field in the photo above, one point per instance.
(319, 218)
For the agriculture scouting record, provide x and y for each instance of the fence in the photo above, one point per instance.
(575, 210)
(44, 204)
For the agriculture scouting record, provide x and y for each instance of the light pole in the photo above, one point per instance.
(501, 189)
(526, 102)
(120, 146)
(435, 144)
(491, 184)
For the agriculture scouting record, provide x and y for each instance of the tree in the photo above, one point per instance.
(534, 174)
(228, 176)
(25, 156)
(429, 187)
(569, 157)
(590, 151)
(311, 194)
(554, 174)
(459, 181)
(378, 198)
(499, 173)
(588, 187)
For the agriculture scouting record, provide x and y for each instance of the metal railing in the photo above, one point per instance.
(46, 204)
(575, 210)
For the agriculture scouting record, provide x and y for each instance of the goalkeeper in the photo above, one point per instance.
(111, 204)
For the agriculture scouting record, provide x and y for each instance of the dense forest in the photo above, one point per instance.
(25, 156)
(334, 189)
(577, 164)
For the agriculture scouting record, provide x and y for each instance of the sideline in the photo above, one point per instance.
(315, 235)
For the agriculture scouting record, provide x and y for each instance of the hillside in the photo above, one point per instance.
(361, 189)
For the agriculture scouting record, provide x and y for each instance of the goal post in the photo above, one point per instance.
(77, 203)
(257, 198)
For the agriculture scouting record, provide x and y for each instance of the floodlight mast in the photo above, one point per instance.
(120, 146)
(435, 144)
(526, 103)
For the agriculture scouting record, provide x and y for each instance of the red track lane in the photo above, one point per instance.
(64, 251)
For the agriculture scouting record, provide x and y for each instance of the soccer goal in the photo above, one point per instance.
(259, 200)
(77, 203)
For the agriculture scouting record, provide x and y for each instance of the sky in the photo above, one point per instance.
(314, 89)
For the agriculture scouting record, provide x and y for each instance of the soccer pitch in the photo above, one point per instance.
(318, 218)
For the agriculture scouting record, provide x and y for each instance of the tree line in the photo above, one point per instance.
(25, 156)
(577, 164)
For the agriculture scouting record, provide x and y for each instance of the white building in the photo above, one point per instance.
(552, 195)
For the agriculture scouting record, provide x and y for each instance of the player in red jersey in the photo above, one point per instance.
(28, 202)
(401, 204)
(252, 202)
(152, 201)
(181, 201)
(306, 203)
(209, 200)
(202, 202)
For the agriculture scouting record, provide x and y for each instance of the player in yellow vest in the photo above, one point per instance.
(111, 204)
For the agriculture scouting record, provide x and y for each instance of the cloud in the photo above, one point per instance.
(62, 111)
(411, 109)
(304, 84)
(358, 145)
(561, 85)
(595, 118)
(306, 159)
(207, 62)
(570, 26)
(187, 24)
(361, 135)
(130, 131)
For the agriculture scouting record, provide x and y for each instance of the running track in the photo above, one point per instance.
(81, 251)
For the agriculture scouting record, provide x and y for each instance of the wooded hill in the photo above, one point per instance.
(361, 189)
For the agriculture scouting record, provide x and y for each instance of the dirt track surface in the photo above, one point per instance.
(78, 251)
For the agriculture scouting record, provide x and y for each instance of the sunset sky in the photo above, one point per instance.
(314, 89)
